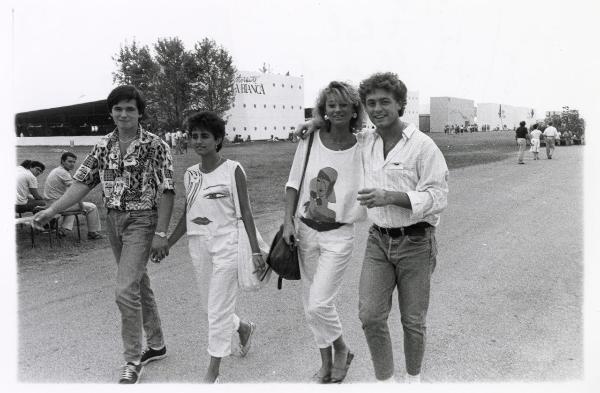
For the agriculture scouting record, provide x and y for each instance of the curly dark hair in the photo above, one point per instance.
(208, 121)
(387, 81)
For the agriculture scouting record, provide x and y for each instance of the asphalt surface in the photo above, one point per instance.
(506, 301)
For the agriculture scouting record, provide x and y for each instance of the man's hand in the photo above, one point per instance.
(305, 129)
(160, 249)
(42, 218)
(372, 197)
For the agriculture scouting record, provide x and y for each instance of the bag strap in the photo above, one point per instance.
(236, 201)
(310, 142)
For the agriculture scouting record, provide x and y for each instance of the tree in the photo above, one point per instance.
(213, 86)
(175, 81)
(568, 120)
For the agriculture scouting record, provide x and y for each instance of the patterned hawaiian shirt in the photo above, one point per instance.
(137, 180)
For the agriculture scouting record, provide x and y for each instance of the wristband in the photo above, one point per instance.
(161, 234)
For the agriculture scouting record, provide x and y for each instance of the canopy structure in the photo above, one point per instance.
(90, 118)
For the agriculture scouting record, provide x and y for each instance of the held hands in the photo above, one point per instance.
(260, 267)
(372, 197)
(160, 249)
(42, 218)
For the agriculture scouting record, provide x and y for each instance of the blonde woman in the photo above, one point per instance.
(323, 225)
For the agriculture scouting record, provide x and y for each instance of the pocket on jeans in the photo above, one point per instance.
(418, 239)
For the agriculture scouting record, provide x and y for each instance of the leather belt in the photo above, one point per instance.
(417, 229)
(320, 226)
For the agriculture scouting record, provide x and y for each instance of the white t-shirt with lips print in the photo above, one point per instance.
(331, 182)
(210, 209)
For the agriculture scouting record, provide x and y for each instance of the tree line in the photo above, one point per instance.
(176, 81)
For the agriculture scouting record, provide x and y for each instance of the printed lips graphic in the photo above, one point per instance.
(201, 221)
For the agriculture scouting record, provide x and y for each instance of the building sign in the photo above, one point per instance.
(248, 85)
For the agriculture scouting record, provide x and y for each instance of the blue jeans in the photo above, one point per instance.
(406, 262)
(130, 234)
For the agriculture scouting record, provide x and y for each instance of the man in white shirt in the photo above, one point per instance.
(406, 187)
(57, 183)
(28, 197)
(550, 134)
(168, 137)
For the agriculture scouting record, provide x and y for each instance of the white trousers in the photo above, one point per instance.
(215, 262)
(92, 217)
(324, 257)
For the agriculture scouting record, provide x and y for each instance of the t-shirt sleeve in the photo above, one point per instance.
(32, 181)
(88, 172)
(297, 165)
(163, 167)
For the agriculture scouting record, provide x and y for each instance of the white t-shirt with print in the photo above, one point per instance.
(209, 200)
(331, 182)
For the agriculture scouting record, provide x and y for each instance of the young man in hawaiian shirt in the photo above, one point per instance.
(135, 170)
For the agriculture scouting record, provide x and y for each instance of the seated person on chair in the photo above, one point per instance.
(28, 197)
(59, 179)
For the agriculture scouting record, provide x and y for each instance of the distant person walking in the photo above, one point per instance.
(521, 136)
(535, 142)
(550, 134)
(135, 170)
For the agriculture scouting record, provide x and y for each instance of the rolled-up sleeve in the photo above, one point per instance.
(88, 172)
(297, 165)
(431, 193)
(163, 167)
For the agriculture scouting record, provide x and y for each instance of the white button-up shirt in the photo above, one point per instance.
(415, 166)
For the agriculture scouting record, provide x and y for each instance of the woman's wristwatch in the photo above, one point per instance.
(161, 234)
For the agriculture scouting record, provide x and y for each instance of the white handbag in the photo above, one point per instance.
(247, 280)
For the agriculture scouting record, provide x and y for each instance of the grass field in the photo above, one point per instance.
(267, 166)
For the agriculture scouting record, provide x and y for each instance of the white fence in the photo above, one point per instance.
(57, 141)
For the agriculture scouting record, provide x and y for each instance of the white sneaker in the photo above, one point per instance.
(389, 380)
(413, 378)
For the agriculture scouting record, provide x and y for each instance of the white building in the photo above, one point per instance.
(411, 112)
(500, 115)
(265, 105)
(450, 111)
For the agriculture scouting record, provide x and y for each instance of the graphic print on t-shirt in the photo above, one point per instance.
(321, 194)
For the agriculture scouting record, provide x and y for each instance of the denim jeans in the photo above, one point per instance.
(130, 234)
(407, 263)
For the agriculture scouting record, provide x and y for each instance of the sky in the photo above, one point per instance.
(523, 53)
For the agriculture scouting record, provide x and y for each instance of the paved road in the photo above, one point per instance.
(506, 301)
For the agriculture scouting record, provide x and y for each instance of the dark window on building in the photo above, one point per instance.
(244, 128)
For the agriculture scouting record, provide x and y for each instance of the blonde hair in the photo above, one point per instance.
(346, 93)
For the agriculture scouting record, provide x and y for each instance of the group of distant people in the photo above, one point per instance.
(29, 199)
(550, 135)
(461, 129)
(395, 175)
(177, 140)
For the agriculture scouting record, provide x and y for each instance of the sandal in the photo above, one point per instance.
(339, 374)
(246, 347)
(317, 378)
